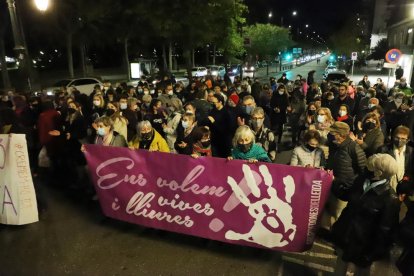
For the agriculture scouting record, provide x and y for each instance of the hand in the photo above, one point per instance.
(240, 121)
(151, 150)
(195, 156)
(54, 133)
(289, 109)
(273, 222)
(359, 141)
(277, 110)
(253, 161)
(164, 126)
(68, 136)
(83, 149)
(352, 136)
(229, 158)
(211, 119)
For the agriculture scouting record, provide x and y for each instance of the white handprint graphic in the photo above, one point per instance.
(273, 225)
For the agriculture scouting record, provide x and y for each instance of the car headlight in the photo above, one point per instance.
(49, 93)
(235, 71)
(252, 68)
(245, 68)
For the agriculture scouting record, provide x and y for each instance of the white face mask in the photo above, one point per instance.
(170, 92)
(97, 103)
(281, 92)
(123, 106)
(342, 113)
(321, 118)
(398, 101)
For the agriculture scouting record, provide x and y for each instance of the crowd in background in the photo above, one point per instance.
(361, 132)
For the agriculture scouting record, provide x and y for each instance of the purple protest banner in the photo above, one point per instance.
(260, 205)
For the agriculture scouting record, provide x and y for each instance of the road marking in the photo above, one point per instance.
(324, 246)
(307, 264)
(317, 255)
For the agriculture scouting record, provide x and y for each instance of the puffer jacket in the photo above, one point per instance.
(349, 162)
(366, 226)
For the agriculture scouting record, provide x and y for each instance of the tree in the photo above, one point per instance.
(267, 40)
(3, 25)
(347, 39)
(379, 51)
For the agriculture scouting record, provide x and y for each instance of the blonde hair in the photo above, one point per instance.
(243, 132)
(328, 114)
(106, 121)
(102, 105)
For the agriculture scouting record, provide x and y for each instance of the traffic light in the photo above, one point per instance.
(288, 56)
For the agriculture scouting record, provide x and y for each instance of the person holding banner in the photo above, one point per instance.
(245, 148)
(148, 138)
(105, 134)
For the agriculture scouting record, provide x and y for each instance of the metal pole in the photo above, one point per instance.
(17, 36)
(389, 75)
(352, 70)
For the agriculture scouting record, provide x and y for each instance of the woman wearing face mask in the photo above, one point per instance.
(133, 115)
(365, 229)
(185, 134)
(146, 102)
(202, 145)
(307, 118)
(98, 108)
(279, 104)
(263, 136)
(148, 138)
(372, 138)
(244, 147)
(74, 135)
(309, 154)
(105, 134)
(120, 123)
(156, 116)
(344, 116)
(170, 128)
(323, 121)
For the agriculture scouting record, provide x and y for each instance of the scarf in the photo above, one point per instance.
(256, 152)
(342, 118)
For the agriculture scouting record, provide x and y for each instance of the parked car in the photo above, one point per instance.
(234, 70)
(249, 71)
(84, 85)
(216, 70)
(337, 76)
(199, 71)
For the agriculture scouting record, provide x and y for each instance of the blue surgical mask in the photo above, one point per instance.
(101, 131)
(248, 109)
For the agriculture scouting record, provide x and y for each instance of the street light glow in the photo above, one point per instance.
(270, 14)
(307, 25)
(42, 5)
(294, 13)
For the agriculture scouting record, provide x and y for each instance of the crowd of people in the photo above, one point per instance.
(362, 133)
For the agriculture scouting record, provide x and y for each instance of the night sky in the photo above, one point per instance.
(323, 16)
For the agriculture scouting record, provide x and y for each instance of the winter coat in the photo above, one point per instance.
(365, 228)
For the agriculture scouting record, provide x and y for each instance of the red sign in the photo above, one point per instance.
(393, 55)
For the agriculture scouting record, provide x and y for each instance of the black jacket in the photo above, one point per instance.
(365, 228)
(409, 157)
(348, 161)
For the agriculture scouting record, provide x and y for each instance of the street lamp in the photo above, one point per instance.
(270, 14)
(307, 26)
(42, 5)
(19, 47)
(294, 13)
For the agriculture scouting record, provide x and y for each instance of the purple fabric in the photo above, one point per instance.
(260, 205)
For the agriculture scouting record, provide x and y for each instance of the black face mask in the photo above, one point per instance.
(310, 148)
(206, 144)
(311, 112)
(399, 143)
(368, 126)
(71, 110)
(245, 147)
(146, 136)
(110, 112)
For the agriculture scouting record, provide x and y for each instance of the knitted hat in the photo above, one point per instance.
(234, 98)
